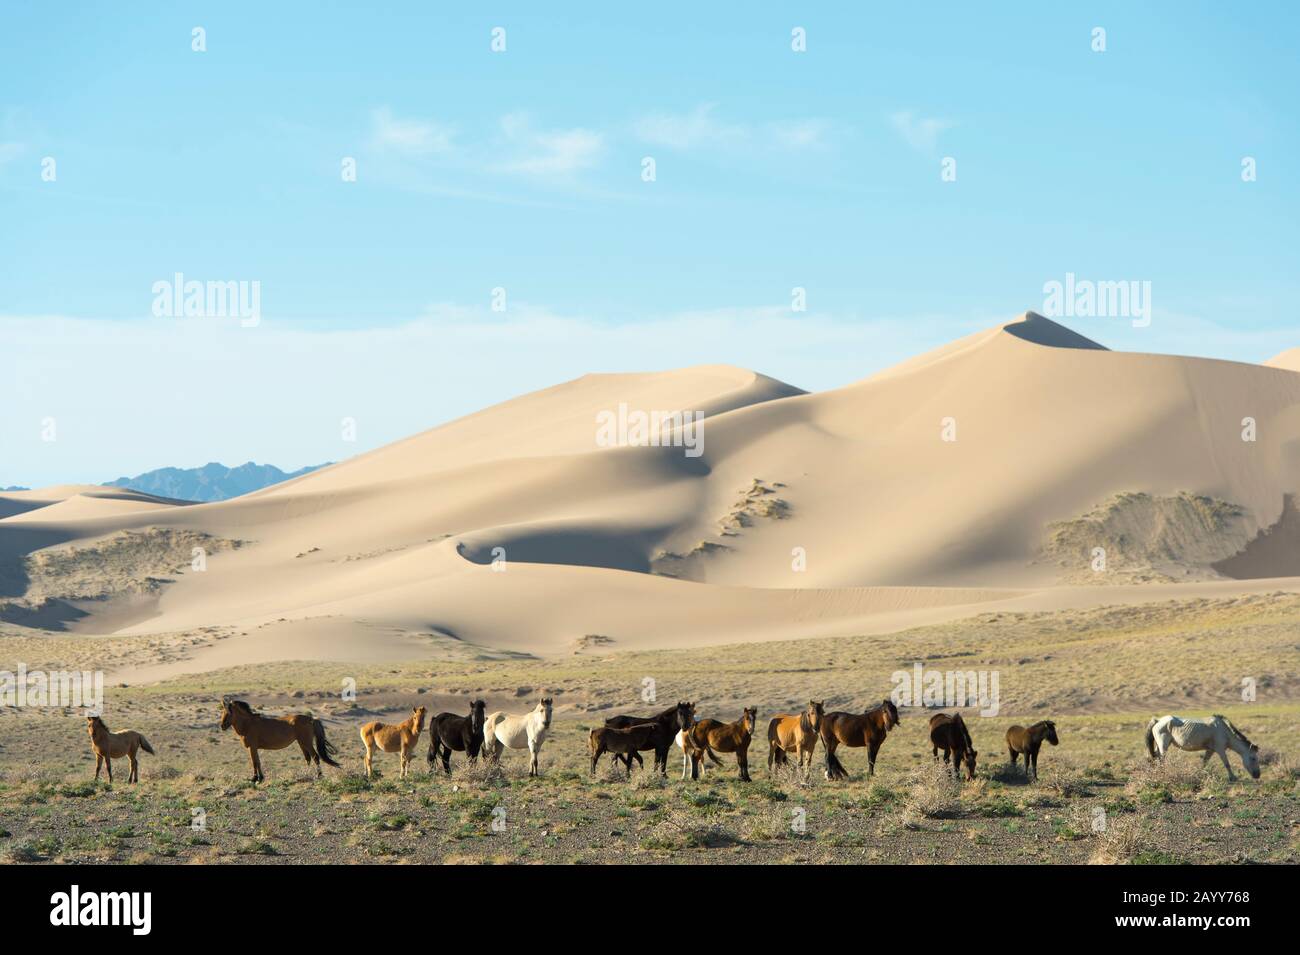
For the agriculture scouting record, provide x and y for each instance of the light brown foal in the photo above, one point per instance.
(110, 746)
(394, 738)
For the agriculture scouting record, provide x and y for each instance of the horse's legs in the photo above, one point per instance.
(108, 763)
(370, 769)
(134, 775)
(871, 758)
(535, 748)
(99, 764)
(1033, 754)
(595, 758)
(1223, 755)
(1014, 754)
(742, 760)
(307, 752)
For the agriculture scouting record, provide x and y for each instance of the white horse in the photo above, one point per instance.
(528, 731)
(1215, 735)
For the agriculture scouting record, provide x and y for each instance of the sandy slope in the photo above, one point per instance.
(891, 524)
(68, 504)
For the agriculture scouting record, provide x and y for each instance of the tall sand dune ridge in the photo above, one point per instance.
(987, 472)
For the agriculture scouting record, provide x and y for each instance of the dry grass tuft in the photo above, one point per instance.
(932, 793)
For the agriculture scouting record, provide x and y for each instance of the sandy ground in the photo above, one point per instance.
(1099, 673)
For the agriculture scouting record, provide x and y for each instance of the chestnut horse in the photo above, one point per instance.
(706, 736)
(949, 733)
(395, 738)
(621, 741)
(794, 734)
(857, 729)
(110, 746)
(1029, 741)
(276, 732)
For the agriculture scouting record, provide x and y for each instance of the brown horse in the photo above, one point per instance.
(621, 741)
(857, 729)
(706, 736)
(949, 733)
(396, 738)
(110, 746)
(794, 734)
(276, 732)
(1029, 741)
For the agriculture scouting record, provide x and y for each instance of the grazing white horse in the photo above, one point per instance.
(1215, 735)
(528, 731)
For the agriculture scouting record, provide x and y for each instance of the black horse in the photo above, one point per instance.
(667, 725)
(464, 734)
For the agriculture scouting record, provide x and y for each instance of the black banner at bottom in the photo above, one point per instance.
(328, 904)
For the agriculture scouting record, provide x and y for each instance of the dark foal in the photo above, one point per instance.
(667, 725)
(949, 733)
(1028, 742)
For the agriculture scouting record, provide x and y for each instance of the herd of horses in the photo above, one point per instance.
(487, 735)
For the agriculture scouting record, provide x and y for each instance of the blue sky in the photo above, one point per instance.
(522, 170)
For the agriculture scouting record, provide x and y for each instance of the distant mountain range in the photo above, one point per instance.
(212, 482)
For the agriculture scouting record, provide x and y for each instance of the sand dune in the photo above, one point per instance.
(1289, 360)
(923, 492)
(70, 503)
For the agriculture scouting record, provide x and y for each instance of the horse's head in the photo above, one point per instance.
(226, 713)
(1250, 759)
(419, 714)
(970, 763)
(544, 708)
(749, 718)
(1051, 732)
(477, 716)
(1247, 750)
(814, 713)
(94, 723)
(891, 714)
(685, 715)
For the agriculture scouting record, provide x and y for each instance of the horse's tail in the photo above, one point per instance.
(1151, 737)
(712, 755)
(324, 748)
(144, 745)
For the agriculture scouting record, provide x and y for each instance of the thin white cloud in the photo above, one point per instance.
(412, 136)
(549, 152)
(10, 151)
(693, 130)
(702, 128)
(801, 134)
(919, 132)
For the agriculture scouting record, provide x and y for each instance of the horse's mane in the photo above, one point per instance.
(1235, 732)
(1042, 723)
(242, 705)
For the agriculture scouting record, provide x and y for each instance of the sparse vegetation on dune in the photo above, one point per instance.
(1101, 674)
